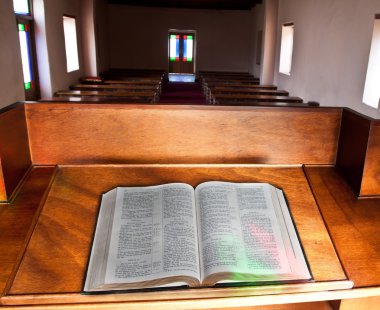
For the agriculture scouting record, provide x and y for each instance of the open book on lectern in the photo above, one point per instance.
(172, 235)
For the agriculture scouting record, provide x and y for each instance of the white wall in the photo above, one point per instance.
(138, 37)
(331, 47)
(11, 77)
(88, 38)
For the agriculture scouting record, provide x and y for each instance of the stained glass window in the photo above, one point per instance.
(187, 48)
(174, 47)
(21, 7)
(23, 31)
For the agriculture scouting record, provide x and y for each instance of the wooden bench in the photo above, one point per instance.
(137, 96)
(115, 87)
(254, 98)
(244, 91)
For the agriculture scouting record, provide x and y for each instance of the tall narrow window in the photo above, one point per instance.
(371, 94)
(71, 45)
(23, 12)
(187, 48)
(286, 48)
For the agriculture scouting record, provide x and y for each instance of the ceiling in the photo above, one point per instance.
(193, 4)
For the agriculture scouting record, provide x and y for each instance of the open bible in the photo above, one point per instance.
(172, 235)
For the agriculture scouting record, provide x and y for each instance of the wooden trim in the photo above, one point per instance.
(370, 185)
(14, 148)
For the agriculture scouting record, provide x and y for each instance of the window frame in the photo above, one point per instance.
(33, 93)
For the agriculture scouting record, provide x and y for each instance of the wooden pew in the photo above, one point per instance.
(267, 104)
(231, 98)
(115, 87)
(137, 96)
(210, 86)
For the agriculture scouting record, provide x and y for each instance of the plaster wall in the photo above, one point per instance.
(138, 37)
(11, 77)
(332, 40)
(257, 20)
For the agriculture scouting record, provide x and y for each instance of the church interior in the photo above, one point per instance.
(98, 94)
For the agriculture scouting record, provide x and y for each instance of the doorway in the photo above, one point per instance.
(181, 52)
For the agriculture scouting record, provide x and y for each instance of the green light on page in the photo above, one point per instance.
(27, 85)
(21, 27)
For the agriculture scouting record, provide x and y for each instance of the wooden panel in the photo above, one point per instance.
(17, 218)
(353, 224)
(371, 176)
(75, 134)
(14, 149)
(352, 147)
(56, 257)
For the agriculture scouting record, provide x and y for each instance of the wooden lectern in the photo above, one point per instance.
(57, 159)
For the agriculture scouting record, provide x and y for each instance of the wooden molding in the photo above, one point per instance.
(14, 150)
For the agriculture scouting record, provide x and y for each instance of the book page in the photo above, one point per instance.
(154, 234)
(239, 231)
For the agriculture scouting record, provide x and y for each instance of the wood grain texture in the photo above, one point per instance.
(245, 97)
(14, 149)
(16, 219)
(370, 185)
(353, 224)
(110, 133)
(56, 257)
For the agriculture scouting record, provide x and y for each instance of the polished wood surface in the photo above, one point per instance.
(370, 185)
(249, 91)
(221, 85)
(265, 104)
(353, 224)
(134, 82)
(14, 150)
(56, 257)
(262, 98)
(130, 94)
(114, 87)
(74, 133)
(16, 220)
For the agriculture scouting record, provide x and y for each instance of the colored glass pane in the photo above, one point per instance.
(25, 54)
(27, 85)
(173, 47)
(189, 48)
(184, 48)
(21, 6)
(21, 27)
